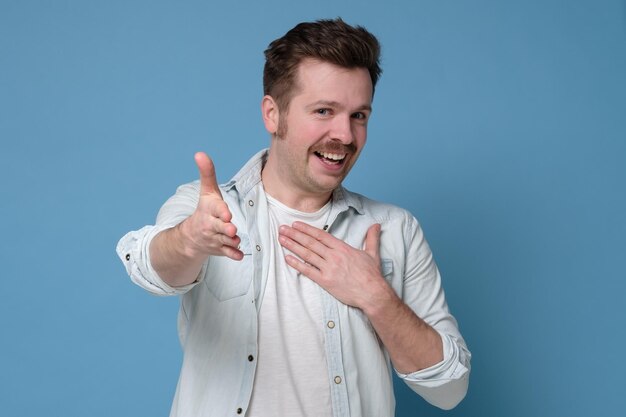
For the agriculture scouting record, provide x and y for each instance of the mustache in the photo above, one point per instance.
(335, 147)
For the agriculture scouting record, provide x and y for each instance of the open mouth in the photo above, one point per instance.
(331, 158)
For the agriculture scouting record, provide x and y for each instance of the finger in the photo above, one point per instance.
(305, 240)
(317, 234)
(309, 256)
(233, 242)
(372, 241)
(219, 209)
(304, 268)
(222, 242)
(308, 229)
(220, 231)
(208, 180)
(232, 253)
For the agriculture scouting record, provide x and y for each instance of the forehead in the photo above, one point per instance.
(322, 80)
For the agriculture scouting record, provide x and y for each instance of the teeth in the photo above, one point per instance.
(333, 156)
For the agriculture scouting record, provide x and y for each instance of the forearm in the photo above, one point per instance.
(173, 258)
(433, 362)
(412, 343)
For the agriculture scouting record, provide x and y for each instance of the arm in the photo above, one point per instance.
(353, 277)
(177, 254)
(432, 361)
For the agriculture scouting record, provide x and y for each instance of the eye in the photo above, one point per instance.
(359, 115)
(323, 112)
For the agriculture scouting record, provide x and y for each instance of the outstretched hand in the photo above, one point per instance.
(209, 229)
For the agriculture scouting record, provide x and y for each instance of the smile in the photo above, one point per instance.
(333, 158)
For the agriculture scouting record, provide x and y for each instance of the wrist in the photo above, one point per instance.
(186, 243)
(382, 299)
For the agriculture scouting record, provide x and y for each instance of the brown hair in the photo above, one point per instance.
(332, 41)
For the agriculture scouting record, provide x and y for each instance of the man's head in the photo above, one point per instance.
(319, 81)
(331, 41)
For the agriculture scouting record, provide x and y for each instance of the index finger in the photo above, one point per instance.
(318, 234)
(208, 180)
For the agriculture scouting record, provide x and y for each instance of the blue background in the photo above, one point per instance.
(501, 125)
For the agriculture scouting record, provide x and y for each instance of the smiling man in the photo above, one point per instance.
(299, 297)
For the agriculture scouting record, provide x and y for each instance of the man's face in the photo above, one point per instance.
(324, 129)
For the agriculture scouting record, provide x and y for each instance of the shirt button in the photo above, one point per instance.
(128, 256)
(250, 203)
(239, 410)
(258, 248)
(250, 358)
(331, 324)
(337, 380)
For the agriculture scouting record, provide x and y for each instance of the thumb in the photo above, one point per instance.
(372, 241)
(208, 180)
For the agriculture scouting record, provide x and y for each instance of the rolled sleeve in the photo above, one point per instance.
(134, 251)
(444, 384)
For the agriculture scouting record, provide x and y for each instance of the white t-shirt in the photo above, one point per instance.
(291, 375)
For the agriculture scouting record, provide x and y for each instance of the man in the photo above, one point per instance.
(299, 296)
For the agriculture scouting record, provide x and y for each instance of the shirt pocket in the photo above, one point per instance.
(226, 278)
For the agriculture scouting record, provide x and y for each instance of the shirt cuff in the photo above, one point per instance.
(444, 384)
(134, 251)
(451, 367)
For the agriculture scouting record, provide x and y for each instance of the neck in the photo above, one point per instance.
(301, 202)
(283, 191)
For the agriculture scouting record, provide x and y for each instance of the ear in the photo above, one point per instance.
(269, 111)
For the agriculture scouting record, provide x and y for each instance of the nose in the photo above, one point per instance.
(341, 129)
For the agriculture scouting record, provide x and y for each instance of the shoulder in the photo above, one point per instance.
(381, 212)
(378, 210)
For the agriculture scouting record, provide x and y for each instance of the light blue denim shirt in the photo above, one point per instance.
(218, 316)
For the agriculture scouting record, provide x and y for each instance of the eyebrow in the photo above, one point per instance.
(330, 103)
